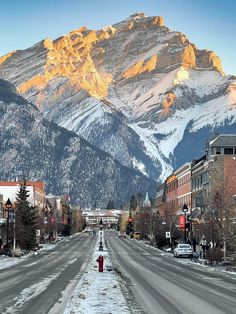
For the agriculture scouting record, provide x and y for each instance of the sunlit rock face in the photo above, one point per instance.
(135, 89)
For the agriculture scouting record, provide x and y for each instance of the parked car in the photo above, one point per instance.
(87, 229)
(183, 250)
(122, 234)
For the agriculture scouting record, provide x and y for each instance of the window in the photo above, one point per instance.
(204, 177)
(218, 150)
(228, 151)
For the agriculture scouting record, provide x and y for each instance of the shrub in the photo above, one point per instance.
(214, 255)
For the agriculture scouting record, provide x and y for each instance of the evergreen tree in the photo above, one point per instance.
(110, 205)
(133, 203)
(26, 219)
(67, 229)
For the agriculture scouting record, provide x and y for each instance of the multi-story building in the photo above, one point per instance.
(171, 193)
(195, 184)
(221, 157)
(36, 191)
(9, 190)
(214, 171)
(200, 185)
(183, 175)
(160, 199)
(107, 217)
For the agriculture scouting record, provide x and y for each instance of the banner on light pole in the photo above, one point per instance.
(168, 235)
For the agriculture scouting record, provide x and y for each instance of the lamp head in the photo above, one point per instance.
(8, 203)
(185, 208)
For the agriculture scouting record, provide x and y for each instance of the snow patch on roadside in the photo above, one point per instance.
(6, 262)
(98, 292)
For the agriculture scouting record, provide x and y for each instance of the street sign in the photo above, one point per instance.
(168, 235)
(11, 216)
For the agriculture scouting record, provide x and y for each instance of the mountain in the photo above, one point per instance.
(40, 149)
(137, 90)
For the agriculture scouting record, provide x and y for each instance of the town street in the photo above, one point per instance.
(163, 285)
(36, 284)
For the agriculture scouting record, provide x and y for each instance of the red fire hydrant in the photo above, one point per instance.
(100, 261)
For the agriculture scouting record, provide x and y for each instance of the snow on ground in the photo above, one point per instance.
(98, 292)
(6, 261)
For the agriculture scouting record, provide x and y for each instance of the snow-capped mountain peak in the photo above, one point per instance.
(136, 89)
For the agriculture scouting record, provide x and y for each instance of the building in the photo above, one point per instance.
(9, 190)
(196, 184)
(146, 202)
(214, 171)
(221, 157)
(36, 191)
(160, 199)
(171, 193)
(184, 191)
(94, 218)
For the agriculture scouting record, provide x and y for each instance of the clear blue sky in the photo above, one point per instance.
(209, 24)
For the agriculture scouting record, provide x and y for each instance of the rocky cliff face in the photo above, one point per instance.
(135, 89)
(32, 146)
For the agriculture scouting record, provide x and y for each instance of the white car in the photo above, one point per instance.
(122, 234)
(183, 250)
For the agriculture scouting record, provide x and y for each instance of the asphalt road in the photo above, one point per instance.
(38, 284)
(163, 285)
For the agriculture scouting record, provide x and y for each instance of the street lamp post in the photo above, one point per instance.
(8, 206)
(185, 210)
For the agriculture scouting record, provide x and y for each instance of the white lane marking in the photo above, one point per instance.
(31, 264)
(30, 292)
(34, 290)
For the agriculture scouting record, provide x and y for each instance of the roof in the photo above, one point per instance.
(100, 213)
(37, 184)
(224, 140)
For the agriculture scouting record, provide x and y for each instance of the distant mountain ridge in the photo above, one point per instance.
(32, 146)
(135, 89)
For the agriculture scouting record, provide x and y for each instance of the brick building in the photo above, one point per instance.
(195, 184)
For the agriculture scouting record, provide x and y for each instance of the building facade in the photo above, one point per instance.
(196, 183)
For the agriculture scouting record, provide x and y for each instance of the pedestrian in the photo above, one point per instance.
(1, 243)
(194, 245)
(203, 243)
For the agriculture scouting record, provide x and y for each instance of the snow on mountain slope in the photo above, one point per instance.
(32, 146)
(136, 90)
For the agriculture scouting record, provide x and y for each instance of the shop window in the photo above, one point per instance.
(228, 151)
